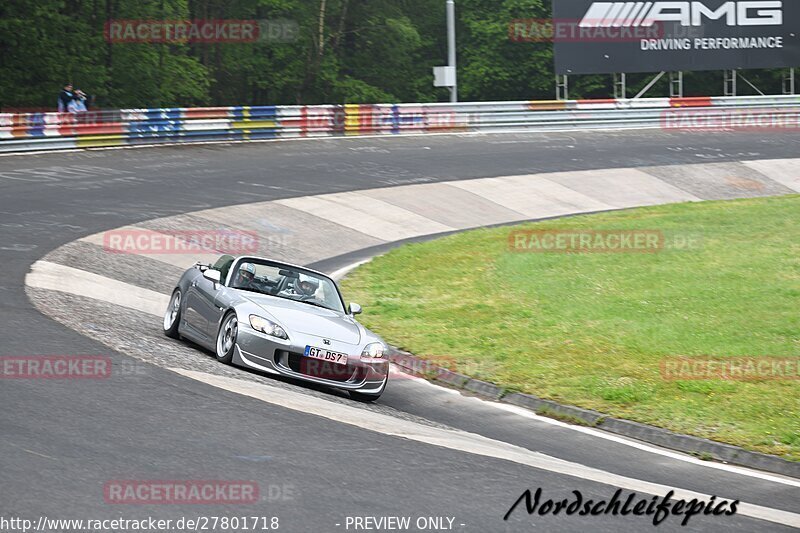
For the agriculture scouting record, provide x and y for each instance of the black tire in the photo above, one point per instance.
(172, 317)
(363, 398)
(366, 398)
(226, 338)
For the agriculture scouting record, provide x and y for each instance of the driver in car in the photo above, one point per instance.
(304, 289)
(307, 288)
(244, 276)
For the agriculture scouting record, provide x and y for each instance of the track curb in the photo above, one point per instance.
(700, 447)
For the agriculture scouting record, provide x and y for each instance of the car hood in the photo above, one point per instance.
(309, 319)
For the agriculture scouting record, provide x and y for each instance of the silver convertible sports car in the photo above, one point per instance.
(280, 319)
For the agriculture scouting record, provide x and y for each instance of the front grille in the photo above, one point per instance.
(322, 369)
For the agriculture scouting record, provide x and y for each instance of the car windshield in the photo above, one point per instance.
(286, 282)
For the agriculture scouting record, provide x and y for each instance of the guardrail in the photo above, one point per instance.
(127, 127)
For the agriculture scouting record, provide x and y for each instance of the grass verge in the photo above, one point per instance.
(595, 329)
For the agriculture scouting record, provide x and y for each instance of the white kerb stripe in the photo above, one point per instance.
(60, 278)
(69, 280)
(639, 445)
(367, 215)
(464, 442)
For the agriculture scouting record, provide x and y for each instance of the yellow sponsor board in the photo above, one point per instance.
(254, 124)
(93, 141)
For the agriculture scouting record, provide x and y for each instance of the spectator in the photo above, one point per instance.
(78, 102)
(65, 97)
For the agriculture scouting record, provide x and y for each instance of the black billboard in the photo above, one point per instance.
(603, 37)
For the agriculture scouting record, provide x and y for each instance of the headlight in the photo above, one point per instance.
(268, 327)
(374, 350)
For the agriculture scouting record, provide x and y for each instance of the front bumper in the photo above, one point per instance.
(268, 354)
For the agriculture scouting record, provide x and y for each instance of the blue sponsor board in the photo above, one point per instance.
(269, 112)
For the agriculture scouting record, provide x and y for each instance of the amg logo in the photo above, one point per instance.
(617, 14)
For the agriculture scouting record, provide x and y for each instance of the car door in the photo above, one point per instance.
(202, 314)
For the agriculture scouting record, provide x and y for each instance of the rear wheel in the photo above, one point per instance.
(226, 338)
(172, 318)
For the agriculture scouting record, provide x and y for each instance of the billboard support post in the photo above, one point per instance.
(620, 91)
(676, 84)
(730, 83)
(756, 89)
(451, 47)
(562, 87)
(649, 85)
(448, 76)
(788, 82)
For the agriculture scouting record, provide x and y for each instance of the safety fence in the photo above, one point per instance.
(127, 127)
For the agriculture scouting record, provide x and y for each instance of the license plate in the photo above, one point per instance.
(326, 355)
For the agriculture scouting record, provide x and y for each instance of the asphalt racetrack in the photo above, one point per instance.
(321, 461)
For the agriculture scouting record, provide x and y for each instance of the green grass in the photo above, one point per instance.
(569, 419)
(592, 329)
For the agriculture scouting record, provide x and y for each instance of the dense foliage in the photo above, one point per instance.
(344, 51)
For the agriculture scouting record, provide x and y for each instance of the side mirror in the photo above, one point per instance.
(355, 309)
(213, 275)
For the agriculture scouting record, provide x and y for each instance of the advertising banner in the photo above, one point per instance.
(603, 37)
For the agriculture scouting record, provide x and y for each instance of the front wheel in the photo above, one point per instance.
(367, 398)
(226, 338)
(172, 318)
